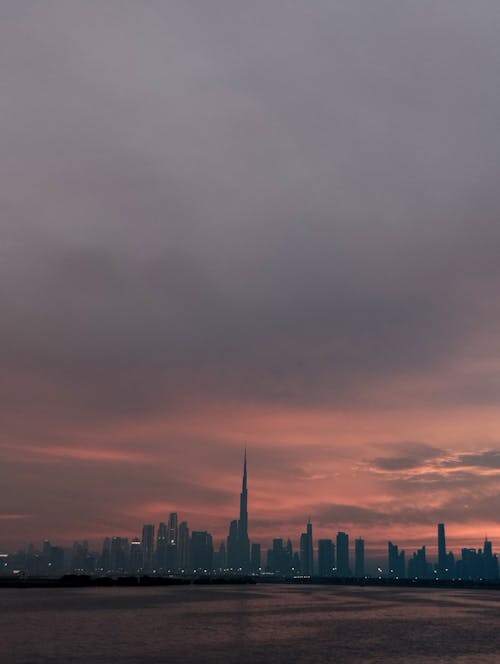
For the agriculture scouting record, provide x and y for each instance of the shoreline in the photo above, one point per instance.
(87, 581)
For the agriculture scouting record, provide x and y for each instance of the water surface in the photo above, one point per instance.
(268, 623)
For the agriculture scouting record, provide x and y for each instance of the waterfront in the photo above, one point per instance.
(249, 624)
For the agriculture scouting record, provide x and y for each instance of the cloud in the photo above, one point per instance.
(470, 508)
(232, 222)
(487, 459)
(221, 243)
(433, 471)
(407, 456)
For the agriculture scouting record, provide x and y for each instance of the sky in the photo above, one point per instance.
(271, 224)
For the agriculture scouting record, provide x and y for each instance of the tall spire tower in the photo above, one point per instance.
(243, 541)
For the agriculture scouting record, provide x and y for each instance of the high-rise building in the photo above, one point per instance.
(255, 562)
(306, 551)
(220, 558)
(359, 557)
(446, 560)
(468, 567)
(172, 543)
(201, 552)
(161, 547)
(232, 549)
(243, 540)
(343, 568)
(148, 540)
(326, 557)
(418, 567)
(105, 561)
(279, 558)
(396, 562)
(276, 557)
(490, 561)
(135, 559)
(83, 561)
(183, 554)
(442, 562)
(52, 560)
(119, 554)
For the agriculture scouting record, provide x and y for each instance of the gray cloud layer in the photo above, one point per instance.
(281, 201)
(267, 201)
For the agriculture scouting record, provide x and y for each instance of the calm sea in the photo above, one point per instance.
(249, 624)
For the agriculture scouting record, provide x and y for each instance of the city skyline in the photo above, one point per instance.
(172, 548)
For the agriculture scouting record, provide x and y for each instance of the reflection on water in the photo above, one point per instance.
(249, 624)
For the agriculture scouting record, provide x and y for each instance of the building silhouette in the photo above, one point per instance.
(119, 554)
(445, 567)
(441, 566)
(148, 542)
(490, 561)
(201, 552)
(326, 557)
(220, 561)
(175, 552)
(172, 543)
(359, 557)
(161, 547)
(135, 558)
(307, 551)
(183, 553)
(343, 568)
(233, 550)
(243, 540)
(255, 558)
(396, 565)
(418, 567)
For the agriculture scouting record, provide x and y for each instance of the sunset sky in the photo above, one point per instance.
(272, 224)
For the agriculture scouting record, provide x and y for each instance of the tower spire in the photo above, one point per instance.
(244, 545)
(244, 484)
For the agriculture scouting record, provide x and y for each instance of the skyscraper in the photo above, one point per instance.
(490, 561)
(418, 566)
(183, 554)
(243, 541)
(326, 557)
(119, 554)
(220, 558)
(441, 549)
(148, 542)
(359, 557)
(446, 561)
(135, 559)
(396, 562)
(306, 551)
(232, 549)
(201, 552)
(161, 547)
(343, 554)
(255, 563)
(172, 548)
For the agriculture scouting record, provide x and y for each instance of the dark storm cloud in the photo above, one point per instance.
(285, 203)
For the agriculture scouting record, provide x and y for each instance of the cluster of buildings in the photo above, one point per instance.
(172, 549)
(474, 563)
